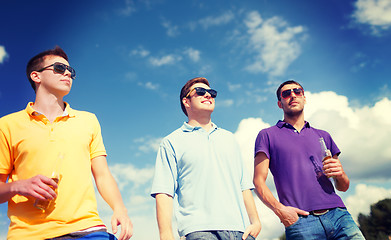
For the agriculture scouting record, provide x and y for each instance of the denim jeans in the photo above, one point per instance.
(217, 235)
(335, 224)
(91, 236)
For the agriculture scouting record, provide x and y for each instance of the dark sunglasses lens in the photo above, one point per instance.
(298, 91)
(213, 93)
(200, 91)
(59, 68)
(286, 93)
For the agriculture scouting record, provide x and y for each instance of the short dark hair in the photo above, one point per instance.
(35, 62)
(186, 89)
(283, 84)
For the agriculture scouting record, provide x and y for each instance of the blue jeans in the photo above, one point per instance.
(91, 236)
(335, 224)
(217, 235)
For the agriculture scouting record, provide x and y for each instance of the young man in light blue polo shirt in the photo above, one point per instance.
(200, 165)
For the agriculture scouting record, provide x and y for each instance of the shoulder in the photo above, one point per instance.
(82, 114)
(13, 118)
(321, 132)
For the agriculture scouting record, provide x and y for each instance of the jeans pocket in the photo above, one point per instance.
(294, 224)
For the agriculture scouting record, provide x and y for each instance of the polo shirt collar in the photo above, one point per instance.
(282, 124)
(188, 128)
(68, 111)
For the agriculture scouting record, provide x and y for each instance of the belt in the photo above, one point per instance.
(320, 212)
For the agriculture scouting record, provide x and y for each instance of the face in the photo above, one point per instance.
(197, 104)
(293, 104)
(50, 81)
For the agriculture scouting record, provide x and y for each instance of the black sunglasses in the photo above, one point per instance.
(60, 68)
(202, 91)
(287, 93)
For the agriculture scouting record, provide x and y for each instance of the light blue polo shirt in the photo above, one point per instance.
(206, 174)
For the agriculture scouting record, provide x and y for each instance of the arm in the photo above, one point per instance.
(108, 189)
(36, 187)
(252, 213)
(164, 207)
(333, 168)
(287, 215)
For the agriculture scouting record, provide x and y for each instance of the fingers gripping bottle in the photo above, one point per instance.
(326, 152)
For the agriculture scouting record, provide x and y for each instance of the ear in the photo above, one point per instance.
(35, 77)
(186, 102)
(279, 104)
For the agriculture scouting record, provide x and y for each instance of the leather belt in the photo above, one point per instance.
(319, 212)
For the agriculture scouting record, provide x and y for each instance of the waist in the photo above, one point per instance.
(321, 211)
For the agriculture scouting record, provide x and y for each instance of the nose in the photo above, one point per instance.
(207, 95)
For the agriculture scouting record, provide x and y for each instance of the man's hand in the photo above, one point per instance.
(252, 230)
(121, 218)
(332, 167)
(290, 215)
(37, 187)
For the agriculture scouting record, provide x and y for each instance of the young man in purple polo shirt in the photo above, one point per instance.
(308, 206)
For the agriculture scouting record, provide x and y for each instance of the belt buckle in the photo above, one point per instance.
(320, 213)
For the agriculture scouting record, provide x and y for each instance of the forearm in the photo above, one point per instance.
(266, 196)
(342, 182)
(164, 210)
(250, 206)
(109, 191)
(7, 191)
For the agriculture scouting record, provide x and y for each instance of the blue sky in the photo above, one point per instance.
(132, 58)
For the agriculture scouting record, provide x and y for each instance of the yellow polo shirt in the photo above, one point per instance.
(29, 145)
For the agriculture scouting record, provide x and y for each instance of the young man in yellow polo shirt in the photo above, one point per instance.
(50, 137)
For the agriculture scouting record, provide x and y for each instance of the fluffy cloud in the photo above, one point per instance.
(376, 13)
(172, 30)
(3, 54)
(216, 21)
(362, 134)
(363, 197)
(165, 60)
(274, 42)
(140, 51)
(193, 54)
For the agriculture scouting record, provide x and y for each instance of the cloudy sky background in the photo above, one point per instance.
(132, 58)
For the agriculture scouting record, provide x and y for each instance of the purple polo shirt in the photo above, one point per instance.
(296, 165)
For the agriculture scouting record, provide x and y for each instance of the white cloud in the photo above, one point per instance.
(129, 176)
(193, 54)
(149, 85)
(362, 134)
(376, 13)
(216, 21)
(274, 42)
(148, 144)
(165, 60)
(3, 54)
(364, 197)
(172, 30)
(140, 51)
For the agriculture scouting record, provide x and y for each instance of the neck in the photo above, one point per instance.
(205, 122)
(297, 121)
(50, 105)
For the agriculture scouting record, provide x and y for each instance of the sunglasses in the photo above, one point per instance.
(202, 91)
(60, 68)
(287, 93)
